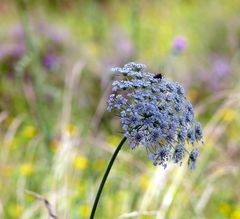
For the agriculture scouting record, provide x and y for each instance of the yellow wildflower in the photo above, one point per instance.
(29, 131)
(225, 208)
(235, 214)
(15, 210)
(71, 129)
(84, 210)
(80, 162)
(26, 169)
(144, 182)
(229, 114)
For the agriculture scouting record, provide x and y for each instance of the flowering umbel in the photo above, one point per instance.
(155, 113)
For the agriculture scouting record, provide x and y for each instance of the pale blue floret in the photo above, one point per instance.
(198, 132)
(179, 153)
(182, 134)
(161, 156)
(180, 89)
(191, 136)
(192, 159)
(155, 113)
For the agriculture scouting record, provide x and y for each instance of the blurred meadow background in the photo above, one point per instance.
(56, 137)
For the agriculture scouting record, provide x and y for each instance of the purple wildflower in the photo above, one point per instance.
(11, 50)
(179, 44)
(49, 61)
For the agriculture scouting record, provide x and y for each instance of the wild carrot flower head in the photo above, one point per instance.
(155, 113)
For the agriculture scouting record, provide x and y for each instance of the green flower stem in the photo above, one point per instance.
(105, 177)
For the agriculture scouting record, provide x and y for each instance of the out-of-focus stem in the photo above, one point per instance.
(35, 70)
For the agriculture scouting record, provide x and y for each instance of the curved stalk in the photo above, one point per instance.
(105, 177)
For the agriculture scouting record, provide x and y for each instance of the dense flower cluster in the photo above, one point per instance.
(155, 113)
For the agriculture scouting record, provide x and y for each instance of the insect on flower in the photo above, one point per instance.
(158, 76)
